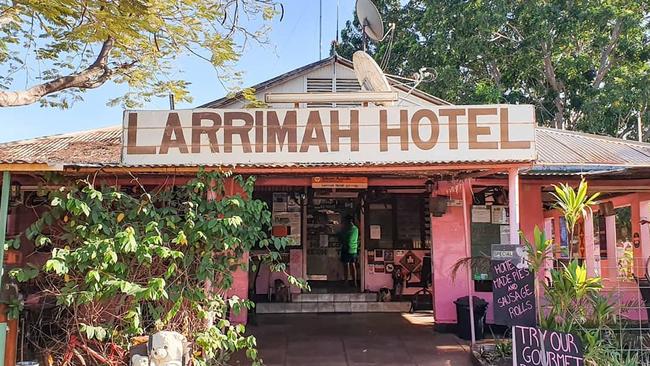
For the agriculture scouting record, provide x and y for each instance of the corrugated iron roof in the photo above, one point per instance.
(101, 147)
(560, 147)
(97, 147)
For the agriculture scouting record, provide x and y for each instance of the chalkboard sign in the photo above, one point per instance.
(514, 293)
(533, 347)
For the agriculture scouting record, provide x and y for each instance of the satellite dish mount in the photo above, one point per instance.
(371, 24)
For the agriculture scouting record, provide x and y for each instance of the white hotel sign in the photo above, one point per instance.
(330, 136)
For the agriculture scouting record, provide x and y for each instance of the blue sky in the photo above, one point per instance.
(292, 43)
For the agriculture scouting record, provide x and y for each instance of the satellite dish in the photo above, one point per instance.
(369, 74)
(370, 20)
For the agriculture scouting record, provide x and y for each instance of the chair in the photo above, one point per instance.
(425, 283)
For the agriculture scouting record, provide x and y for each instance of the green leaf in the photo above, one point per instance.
(24, 274)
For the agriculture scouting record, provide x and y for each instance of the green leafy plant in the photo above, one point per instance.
(539, 252)
(574, 205)
(127, 262)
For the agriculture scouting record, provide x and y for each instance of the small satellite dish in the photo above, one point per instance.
(369, 74)
(370, 20)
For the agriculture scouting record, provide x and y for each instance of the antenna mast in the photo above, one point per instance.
(320, 30)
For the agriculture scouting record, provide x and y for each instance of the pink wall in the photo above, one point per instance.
(449, 246)
(240, 276)
(266, 278)
(531, 209)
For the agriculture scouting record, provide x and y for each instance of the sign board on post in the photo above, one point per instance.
(384, 135)
(513, 286)
(537, 347)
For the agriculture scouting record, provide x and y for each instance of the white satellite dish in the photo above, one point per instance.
(369, 74)
(370, 20)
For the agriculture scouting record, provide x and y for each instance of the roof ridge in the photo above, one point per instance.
(58, 135)
(263, 85)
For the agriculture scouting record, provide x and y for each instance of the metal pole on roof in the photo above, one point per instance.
(320, 30)
(337, 22)
(639, 126)
(4, 208)
(172, 105)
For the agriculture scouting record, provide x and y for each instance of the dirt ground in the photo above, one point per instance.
(355, 340)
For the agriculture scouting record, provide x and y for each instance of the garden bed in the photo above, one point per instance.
(492, 353)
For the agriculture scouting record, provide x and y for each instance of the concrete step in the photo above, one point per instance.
(333, 307)
(349, 297)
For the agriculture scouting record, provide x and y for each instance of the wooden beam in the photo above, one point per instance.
(311, 170)
(30, 167)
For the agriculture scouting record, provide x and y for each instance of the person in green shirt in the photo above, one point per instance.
(349, 248)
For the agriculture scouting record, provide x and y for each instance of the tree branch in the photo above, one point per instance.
(605, 63)
(557, 86)
(7, 16)
(92, 77)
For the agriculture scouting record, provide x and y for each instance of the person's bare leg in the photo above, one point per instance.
(354, 274)
(346, 272)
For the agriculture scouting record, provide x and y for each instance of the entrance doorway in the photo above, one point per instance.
(326, 212)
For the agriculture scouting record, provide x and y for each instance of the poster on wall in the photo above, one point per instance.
(375, 232)
(481, 213)
(504, 234)
(537, 347)
(513, 286)
(287, 224)
(499, 215)
(389, 256)
(293, 205)
(280, 201)
(323, 240)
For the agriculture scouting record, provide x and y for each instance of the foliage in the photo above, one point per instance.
(584, 65)
(539, 252)
(574, 206)
(68, 46)
(573, 301)
(476, 264)
(128, 262)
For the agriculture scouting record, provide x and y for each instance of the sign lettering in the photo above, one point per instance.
(537, 347)
(514, 294)
(330, 135)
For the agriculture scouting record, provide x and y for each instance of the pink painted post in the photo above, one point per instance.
(468, 248)
(240, 276)
(590, 254)
(644, 233)
(612, 261)
(513, 204)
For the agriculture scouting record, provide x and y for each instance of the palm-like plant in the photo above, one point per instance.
(539, 251)
(574, 205)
